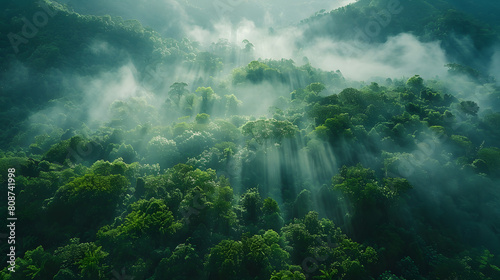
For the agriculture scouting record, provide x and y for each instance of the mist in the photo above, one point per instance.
(269, 30)
(495, 66)
(403, 55)
(221, 132)
(175, 18)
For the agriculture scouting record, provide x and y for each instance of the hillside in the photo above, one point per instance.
(228, 148)
(467, 32)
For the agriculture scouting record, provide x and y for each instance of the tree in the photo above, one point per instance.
(369, 198)
(288, 275)
(151, 217)
(251, 204)
(75, 149)
(469, 107)
(91, 265)
(106, 168)
(35, 264)
(184, 263)
(148, 225)
(202, 118)
(299, 239)
(255, 71)
(256, 253)
(177, 90)
(209, 62)
(359, 185)
(315, 88)
(432, 97)
(208, 98)
(271, 218)
(126, 152)
(416, 84)
(336, 128)
(351, 96)
(87, 197)
(232, 105)
(461, 145)
(271, 129)
(491, 157)
(163, 151)
(225, 260)
(458, 69)
(70, 254)
(191, 143)
(249, 47)
(302, 204)
(263, 255)
(389, 276)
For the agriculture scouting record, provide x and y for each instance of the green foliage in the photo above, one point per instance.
(106, 168)
(208, 62)
(288, 275)
(202, 118)
(175, 190)
(232, 105)
(192, 143)
(351, 96)
(323, 251)
(91, 265)
(363, 190)
(335, 128)
(369, 197)
(184, 263)
(255, 256)
(87, 197)
(469, 107)
(208, 99)
(415, 84)
(491, 157)
(299, 239)
(271, 218)
(255, 71)
(148, 217)
(251, 203)
(271, 129)
(222, 213)
(315, 87)
(302, 204)
(428, 20)
(463, 146)
(35, 264)
(178, 89)
(263, 254)
(389, 276)
(149, 224)
(310, 93)
(225, 260)
(125, 152)
(163, 151)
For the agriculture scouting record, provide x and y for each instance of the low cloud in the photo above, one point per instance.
(402, 55)
(495, 66)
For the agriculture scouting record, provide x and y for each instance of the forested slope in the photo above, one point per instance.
(141, 156)
(467, 32)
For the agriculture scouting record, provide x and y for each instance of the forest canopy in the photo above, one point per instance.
(194, 147)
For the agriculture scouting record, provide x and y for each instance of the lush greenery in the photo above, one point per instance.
(264, 170)
(449, 21)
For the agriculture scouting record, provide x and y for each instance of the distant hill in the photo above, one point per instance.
(485, 10)
(172, 18)
(35, 57)
(467, 29)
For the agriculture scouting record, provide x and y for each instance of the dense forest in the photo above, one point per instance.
(185, 140)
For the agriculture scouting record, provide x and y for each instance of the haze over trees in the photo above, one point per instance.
(197, 144)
